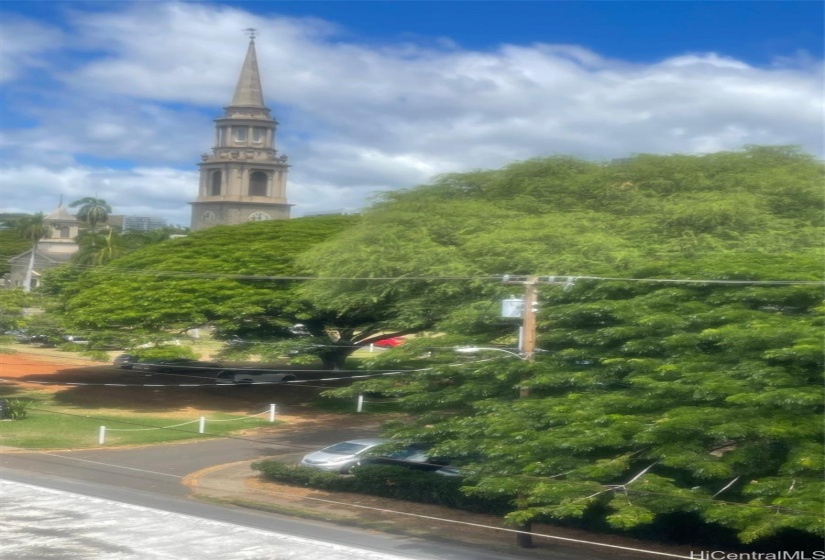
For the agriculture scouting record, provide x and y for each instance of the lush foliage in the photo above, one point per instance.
(99, 248)
(653, 397)
(11, 244)
(12, 304)
(17, 409)
(236, 279)
(385, 481)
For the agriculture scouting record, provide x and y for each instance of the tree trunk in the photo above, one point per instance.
(525, 539)
(335, 358)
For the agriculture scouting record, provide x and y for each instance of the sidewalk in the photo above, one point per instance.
(238, 484)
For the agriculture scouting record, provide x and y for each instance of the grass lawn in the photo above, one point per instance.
(53, 428)
(50, 425)
(56, 429)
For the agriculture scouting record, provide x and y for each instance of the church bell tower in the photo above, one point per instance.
(244, 178)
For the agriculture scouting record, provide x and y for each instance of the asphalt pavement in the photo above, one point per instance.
(218, 470)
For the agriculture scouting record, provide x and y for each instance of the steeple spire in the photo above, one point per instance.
(244, 178)
(248, 92)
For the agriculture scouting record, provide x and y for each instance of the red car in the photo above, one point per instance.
(390, 342)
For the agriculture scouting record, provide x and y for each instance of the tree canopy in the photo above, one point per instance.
(236, 279)
(681, 368)
(651, 397)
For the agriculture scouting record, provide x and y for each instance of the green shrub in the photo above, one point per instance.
(165, 352)
(96, 355)
(17, 409)
(387, 482)
(297, 475)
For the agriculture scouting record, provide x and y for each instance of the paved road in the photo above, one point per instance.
(151, 477)
(47, 517)
(160, 468)
(148, 479)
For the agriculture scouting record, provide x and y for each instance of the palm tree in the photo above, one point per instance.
(32, 228)
(99, 248)
(93, 211)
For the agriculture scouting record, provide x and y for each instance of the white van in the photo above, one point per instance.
(251, 376)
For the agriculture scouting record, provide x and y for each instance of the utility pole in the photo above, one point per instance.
(527, 348)
(529, 316)
(524, 539)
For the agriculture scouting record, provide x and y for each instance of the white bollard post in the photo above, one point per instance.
(272, 413)
(101, 438)
(202, 425)
(360, 403)
(372, 348)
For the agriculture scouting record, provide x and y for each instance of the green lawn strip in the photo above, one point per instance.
(51, 427)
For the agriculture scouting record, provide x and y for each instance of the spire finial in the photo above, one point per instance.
(61, 201)
(248, 92)
(251, 32)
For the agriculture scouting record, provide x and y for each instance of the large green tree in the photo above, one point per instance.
(239, 280)
(564, 216)
(652, 397)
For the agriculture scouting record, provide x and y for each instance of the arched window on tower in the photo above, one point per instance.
(258, 183)
(215, 185)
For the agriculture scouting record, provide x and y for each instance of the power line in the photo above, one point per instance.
(542, 279)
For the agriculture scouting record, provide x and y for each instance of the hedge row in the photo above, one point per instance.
(387, 482)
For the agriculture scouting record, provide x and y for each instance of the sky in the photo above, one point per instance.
(117, 99)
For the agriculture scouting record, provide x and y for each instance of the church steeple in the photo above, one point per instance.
(244, 178)
(248, 92)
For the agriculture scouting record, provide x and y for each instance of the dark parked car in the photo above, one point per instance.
(249, 376)
(125, 361)
(413, 457)
(176, 365)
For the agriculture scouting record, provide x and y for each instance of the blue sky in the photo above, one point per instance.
(117, 98)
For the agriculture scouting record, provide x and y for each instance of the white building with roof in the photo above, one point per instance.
(55, 249)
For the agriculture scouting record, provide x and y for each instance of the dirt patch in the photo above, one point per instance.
(74, 381)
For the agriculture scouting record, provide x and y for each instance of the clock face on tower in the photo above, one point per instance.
(209, 216)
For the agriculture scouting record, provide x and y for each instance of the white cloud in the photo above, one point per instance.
(22, 45)
(356, 119)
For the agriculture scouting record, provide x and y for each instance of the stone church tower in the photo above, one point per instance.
(244, 178)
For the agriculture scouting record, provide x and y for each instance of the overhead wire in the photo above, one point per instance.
(542, 278)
